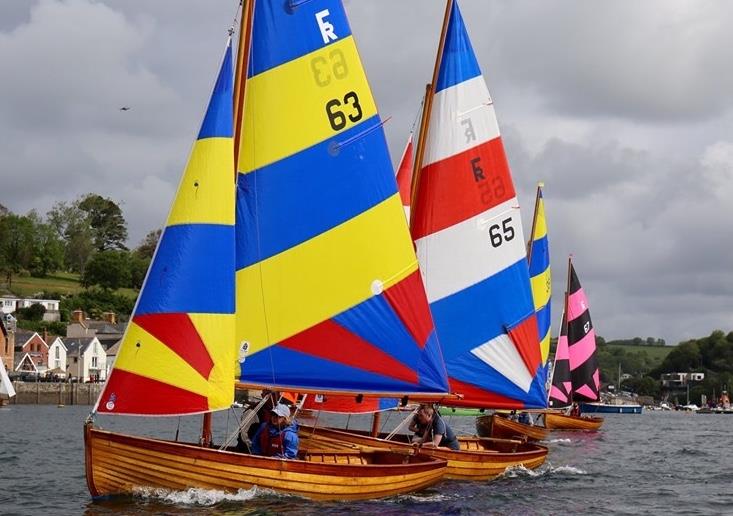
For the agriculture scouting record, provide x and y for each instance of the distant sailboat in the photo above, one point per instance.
(7, 390)
(312, 282)
(576, 376)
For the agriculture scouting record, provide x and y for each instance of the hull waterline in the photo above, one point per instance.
(555, 421)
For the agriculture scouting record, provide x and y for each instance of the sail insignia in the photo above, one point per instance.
(328, 289)
(176, 355)
(468, 233)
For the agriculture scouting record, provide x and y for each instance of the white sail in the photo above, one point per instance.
(5, 386)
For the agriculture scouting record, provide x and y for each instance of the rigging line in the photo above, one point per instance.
(237, 11)
(399, 427)
(335, 147)
(417, 114)
(244, 421)
(294, 4)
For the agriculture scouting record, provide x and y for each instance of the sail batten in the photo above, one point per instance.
(468, 234)
(326, 292)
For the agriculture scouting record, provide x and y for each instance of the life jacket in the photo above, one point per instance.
(271, 445)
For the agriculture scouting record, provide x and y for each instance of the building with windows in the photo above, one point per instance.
(86, 359)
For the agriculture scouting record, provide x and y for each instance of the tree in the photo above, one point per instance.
(16, 245)
(138, 269)
(108, 269)
(48, 249)
(72, 225)
(146, 249)
(107, 222)
(32, 313)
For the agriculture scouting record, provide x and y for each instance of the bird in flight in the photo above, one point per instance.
(125, 108)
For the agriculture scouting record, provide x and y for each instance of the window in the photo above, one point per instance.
(94, 362)
(58, 352)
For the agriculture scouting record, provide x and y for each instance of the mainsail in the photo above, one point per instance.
(576, 376)
(539, 272)
(329, 295)
(177, 355)
(404, 176)
(468, 232)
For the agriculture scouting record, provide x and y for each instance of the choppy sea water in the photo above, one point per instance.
(654, 463)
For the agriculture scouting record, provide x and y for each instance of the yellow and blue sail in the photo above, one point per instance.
(540, 275)
(329, 294)
(177, 355)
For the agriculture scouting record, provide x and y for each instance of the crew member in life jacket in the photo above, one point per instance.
(278, 437)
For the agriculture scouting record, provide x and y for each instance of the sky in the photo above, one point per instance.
(623, 109)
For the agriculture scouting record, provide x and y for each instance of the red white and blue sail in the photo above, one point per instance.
(540, 274)
(468, 232)
(177, 355)
(329, 295)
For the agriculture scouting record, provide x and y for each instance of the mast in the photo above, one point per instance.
(240, 72)
(428, 106)
(566, 318)
(240, 81)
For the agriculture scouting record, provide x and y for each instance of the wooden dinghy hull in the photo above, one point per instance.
(555, 421)
(501, 427)
(120, 464)
(478, 459)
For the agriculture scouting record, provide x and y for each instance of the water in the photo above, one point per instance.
(654, 463)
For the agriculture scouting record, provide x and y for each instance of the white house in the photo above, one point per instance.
(86, 359)
(9, 304)
(57, 355)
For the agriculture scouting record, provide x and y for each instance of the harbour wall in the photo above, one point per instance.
(43, 393)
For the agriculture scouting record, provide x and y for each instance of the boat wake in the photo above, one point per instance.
(199, 497)
(542, 471)
(427, 498)
(552, 441)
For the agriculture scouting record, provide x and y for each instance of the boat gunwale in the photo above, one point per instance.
(426, 462)
(581, 422)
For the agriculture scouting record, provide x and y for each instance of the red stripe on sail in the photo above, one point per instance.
(526, 338)
(341, 403)
(178, 333)
(474, 397)
(130, 393)
(409, 301)
(460, 187)
(331, 341)
(404, 174)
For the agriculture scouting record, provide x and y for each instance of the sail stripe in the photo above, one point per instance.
(178, 333)
(482, 317)
(192, 271)
(577, 304)
(275, 19)
(331, 341)
(339, 253)
(201, 198)
(285, 220)
(582, 350)
(404, 176)
(541, 288)
(468, 233)
(437, 252)
(282, 120)
(466, 117)
(561, 386)
(218, 120)
(132, 394)
(409, 301)
(462, 186)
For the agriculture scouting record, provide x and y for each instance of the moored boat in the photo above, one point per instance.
(611, 408)
(478, 459)
(558, 421)
(497, 425)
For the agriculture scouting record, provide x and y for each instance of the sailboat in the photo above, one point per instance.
(576, 376)
(302, 277)
(7, 390)
(538, 252)
(467, 230)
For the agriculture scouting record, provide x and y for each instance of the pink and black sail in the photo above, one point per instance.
(576, 350)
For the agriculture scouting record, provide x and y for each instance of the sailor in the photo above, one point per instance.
(526, 418)
(575, 410)
(435, 431)
(278, 437)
